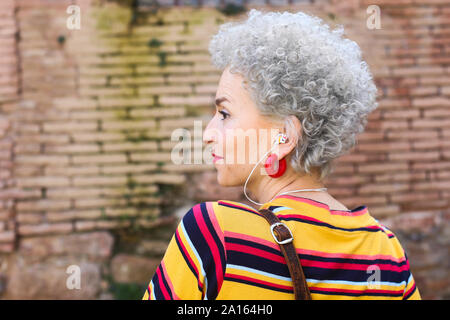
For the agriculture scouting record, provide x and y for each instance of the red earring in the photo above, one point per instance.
(275, 168)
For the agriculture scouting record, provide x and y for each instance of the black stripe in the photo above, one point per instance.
(238, 208)
(213, 284)
(313, 257)
(356, 294)
(164, 281)
(256, 284)
(324, 224)
(253, 245)
(188, 263)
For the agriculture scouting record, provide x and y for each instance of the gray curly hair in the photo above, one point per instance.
(296, 65)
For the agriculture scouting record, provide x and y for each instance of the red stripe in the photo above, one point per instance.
(349, 213)
(325, 206)
(409, 291)
(350, 266)
(270, 284)
(314, 252)
(211, 243)
(161, 285)
(255, 252)
(169, 282)
(350, 256)
(239, 207)
(355, 291)
(299, 216)
(305, 200)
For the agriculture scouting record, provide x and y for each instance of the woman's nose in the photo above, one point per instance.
(209, 134)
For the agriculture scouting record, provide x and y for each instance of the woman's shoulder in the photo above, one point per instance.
(222, 206)
(221, 213)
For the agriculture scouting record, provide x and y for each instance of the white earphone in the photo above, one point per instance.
(279, 139)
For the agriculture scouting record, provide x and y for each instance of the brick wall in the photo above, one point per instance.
(9, 97)
(87, 118)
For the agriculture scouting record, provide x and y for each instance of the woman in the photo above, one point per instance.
(291, 76)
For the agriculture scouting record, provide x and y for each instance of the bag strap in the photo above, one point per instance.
(285, 239)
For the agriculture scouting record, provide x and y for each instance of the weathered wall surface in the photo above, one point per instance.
(86, 176)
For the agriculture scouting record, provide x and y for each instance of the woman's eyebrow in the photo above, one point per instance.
(220, 100)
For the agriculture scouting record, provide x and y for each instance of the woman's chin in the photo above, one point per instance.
(221, 180)
(226, 180)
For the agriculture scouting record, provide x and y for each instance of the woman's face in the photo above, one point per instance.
(237, 134)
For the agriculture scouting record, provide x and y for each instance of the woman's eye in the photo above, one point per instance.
(224, 114)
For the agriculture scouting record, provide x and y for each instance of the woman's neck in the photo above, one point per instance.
(267, 188)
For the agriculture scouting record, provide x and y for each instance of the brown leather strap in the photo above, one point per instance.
(285, 239)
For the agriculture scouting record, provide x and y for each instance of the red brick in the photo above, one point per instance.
(401, 114)
(431, 102)
(413, 135)
(30, 218)
(45, 228)
(47, 181)
(400, 177)
(348, 180)
(99, 158)
(7, 247)
(437, 113)
(85, 225)
(431, 185)
(431, 165)
(429, 81)
(414, 155)
(445, 90)
(344, 169)
(370, 136)
(99, 181)
(384, 3)
(72, 126)
(415, 196)
(418, 71)
(7, 236)
(439, 175)
(111, 224)
(383, 146)
(394, 124)
(382, 167)
(394, 103)
(383, 188)
(44, 204)
(42, 159)
(431, 123)
(73, 148)
(432, 144)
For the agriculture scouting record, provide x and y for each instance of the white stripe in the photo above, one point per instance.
(280, 209)
(153, 289)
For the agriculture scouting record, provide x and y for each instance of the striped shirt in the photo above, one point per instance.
(224, 250)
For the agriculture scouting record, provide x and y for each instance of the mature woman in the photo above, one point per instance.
(303, 93)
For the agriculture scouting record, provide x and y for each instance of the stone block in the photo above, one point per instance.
(133, 269)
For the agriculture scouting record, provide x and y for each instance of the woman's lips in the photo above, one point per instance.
(216, 157)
